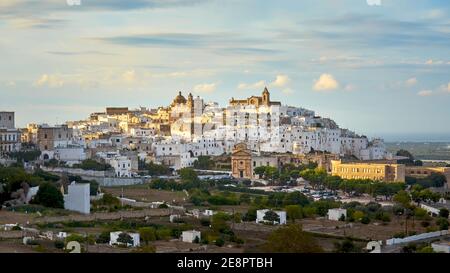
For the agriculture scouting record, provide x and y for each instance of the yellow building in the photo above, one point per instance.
(385, 172)
(241, 162)
(423, 171)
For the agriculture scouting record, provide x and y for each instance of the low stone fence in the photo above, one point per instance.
(104, 178)
(104, 216)
(75, 171)
(395, 241)
(116, 181)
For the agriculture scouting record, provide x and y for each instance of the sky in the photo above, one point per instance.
(378, 67)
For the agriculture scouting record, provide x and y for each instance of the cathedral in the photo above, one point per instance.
(255, 100)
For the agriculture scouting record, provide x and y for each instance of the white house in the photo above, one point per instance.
(121, 165)
(262, 212)
(189, 236)
(336, 214)
(441, 247)
(115, 235)
(78, 198)
(208, 212)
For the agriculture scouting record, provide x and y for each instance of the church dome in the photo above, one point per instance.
(180, 99)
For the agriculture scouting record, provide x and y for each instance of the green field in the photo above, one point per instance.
(423, 150)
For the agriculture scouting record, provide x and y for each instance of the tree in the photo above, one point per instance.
(358, 215)
(295, 198)
(219, 242)
(403, 198)
(271, 216)
(103, 238)
(250, 216)
(49, 196)
(188, 175)
(346, 246)
(294, 212)
(409, 161)
(443, 223)
(219, 223)
(443, 213)
(204, 163)
(291, 239)
(147, 234)
(125, 238)
(245, 198)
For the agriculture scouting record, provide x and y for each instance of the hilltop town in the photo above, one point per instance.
(195, 176)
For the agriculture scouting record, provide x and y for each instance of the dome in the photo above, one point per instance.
(179, 99)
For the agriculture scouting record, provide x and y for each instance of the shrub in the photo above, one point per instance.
(219, 242)
(103, 238)
(59, 244)
(75, 237)
(205, 222)
(365, 220)
(442, 223)
(425, 224)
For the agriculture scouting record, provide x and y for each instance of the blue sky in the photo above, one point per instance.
(379, 70)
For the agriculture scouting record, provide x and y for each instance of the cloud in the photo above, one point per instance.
(367, 30)
(425, 93)
(129, 76)
(287, 91)
(434, 62)
(77, 53)
(411, 82)
(10, 84)
(23, 13)
(434, 14)
(256, 85)
(34, 22)
(326, 82)
(53, 81)
(280, 81)
(445, 88)
(205, 88)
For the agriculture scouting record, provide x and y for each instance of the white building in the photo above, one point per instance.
(189, 236)
(121, 165)
(9, 136)
(115, 235)
(262, 212)
(442, 247)
(78, 198)
(336, 214)
(71, 155)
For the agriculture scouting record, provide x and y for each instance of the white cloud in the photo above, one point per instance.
(52, 81)
(445, 88)
(205, 88)
(425, 93)
(256, 85)
(280, 81)
(434, 62)
(10, 84)
(326, 82)
(129, 76)
(287, 91)
(411, 82)
(434, 14)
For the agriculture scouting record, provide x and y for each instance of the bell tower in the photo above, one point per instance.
(266, 96)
